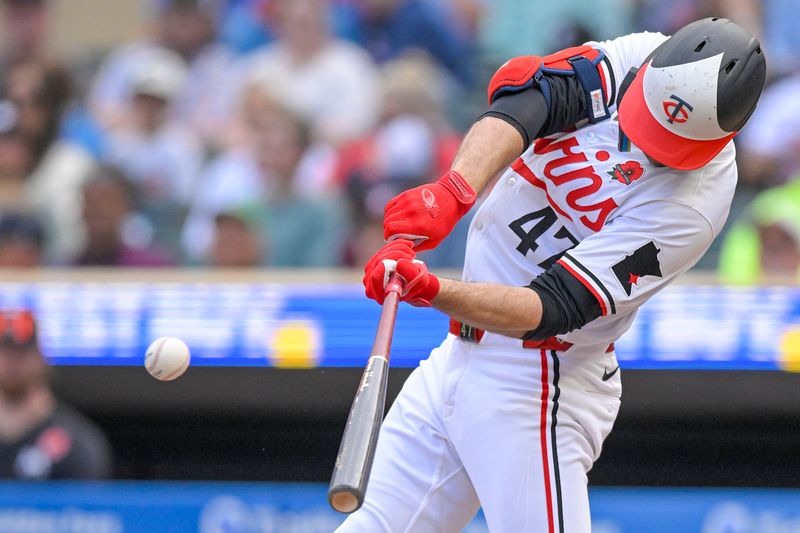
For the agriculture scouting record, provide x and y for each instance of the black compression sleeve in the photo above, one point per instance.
(528, 112)
(566, 304)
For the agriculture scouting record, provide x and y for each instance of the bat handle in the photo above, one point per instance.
(395, 284)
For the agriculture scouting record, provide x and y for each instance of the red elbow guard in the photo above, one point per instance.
(583, 62)
(515, 75)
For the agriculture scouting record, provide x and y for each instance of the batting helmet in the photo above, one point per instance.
(694, 93)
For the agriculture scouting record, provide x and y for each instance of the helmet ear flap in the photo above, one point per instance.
(626, 82)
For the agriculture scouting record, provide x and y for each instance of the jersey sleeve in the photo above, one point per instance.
(638, 253)
(626, 52)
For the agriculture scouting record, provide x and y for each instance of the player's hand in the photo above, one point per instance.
(428, 213)
(420, 286)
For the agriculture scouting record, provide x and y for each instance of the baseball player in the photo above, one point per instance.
(626, 175)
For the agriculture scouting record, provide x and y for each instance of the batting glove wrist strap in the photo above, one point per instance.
(461, 189)
(426, 214)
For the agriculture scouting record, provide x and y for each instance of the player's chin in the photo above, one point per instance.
(654, 162)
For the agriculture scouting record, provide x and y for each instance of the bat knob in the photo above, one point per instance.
(345, 501)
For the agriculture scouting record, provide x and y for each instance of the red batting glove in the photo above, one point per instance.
(420, 286)
(428, 213)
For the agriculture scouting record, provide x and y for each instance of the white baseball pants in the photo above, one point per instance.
(512, 430)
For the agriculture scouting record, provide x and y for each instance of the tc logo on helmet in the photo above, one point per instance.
(676, 109)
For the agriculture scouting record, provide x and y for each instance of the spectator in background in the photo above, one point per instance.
(188, 28)
(160, 156)
(21, 241)
(54, 169)
(238, 241)
(115, 235)
(40, 437)
(16, 159)
(770, 146)
(315, 173)
(25, 26)
(412, 92)
(40, 91)
(768, 154)
(781, 39)
(267, 178)
(390, 28)
(243, 26)
(524, 27)
(764, 241)
(329, 83)
(248, 24)
(667, 17)
(413, 143)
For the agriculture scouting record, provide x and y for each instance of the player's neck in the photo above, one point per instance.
(18, 416)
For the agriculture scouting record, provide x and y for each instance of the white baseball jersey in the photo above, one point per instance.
(621, 225)
(515, 430)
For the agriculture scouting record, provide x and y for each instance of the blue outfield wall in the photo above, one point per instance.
(687, 327)
(138, 507)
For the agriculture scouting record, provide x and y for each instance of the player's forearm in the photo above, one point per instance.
(488, 148)
(511, 311)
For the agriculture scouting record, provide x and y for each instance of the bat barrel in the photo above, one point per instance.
(354, 461)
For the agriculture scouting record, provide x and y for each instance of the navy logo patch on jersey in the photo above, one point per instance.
(643, 262)
(626, 172)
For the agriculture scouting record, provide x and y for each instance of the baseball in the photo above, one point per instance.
(167, 358)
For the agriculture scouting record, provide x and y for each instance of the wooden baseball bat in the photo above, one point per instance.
(357, 449)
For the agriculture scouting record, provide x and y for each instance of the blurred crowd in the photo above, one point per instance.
(243, 133)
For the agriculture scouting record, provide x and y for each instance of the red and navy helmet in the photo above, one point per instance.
(694, 93)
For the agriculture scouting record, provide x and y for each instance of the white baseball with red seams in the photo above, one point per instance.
(167, 358)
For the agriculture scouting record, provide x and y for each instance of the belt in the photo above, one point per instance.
(472, 334)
